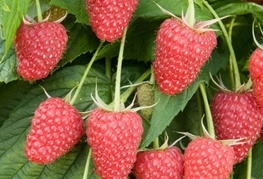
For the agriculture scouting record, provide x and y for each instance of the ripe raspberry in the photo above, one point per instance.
(56, 127)
(114, 138)
(237, 116)
(167, 163)
(180, 53)
(255, 68)
(109, 18)
(39, 47)
(207, 158)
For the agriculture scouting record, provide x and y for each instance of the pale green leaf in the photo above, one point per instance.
(12, 19)
(4, 6)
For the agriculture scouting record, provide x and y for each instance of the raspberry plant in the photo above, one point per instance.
(89, 64)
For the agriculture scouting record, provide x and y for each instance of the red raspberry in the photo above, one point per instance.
(167, 163)
(180, 53)
(237, 116)
(207, 158)
(114, 138)
(109, 18)
(56, 127)
(39, 47)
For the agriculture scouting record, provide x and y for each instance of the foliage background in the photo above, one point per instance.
(183, 112)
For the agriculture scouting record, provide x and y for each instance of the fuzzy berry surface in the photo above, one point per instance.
(108, 18)
(207, 158)
(55, 128)
(180, 53)
(114, 138)
(162, 164)
(255, 68)
(237, 116)
(39, 47)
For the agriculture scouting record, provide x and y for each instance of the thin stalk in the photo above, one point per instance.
(39, 13)
(209, 119)
(86, 171)
(152, 80)
(126, 94)
(231, 70)
(231, 175)
(229, 44)
(199, 103)
(249, 164)
(108, 67)
(117, 101)
(84, 76)
(156, 143)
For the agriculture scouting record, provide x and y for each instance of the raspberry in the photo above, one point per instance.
(56, 127)
(109, 18)
(167, 163)
(39, 47)
(114, 138)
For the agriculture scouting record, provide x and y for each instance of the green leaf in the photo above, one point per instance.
(81, 40)
(11, 97)
(14, 129)
(239, 8)
(4, 6)
(12, 19)
(141, 32)
(8, 67)
(76, 7)
(172, 105)
(150, 11)
(257, 161)
(140, 42)
(240, 169)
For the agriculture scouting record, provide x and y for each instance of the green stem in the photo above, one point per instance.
(231, 70)
(209, 119)
(156, 143)
(108, 67)
(199, 103)
(118, 74)
(39, 12)
(126, 94)
(152, 80)
(249, 164)
(231, 175)
(229, 44)
(84, 76)
(86, 171)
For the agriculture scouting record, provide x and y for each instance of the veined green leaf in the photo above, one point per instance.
(81, 40)
(14, 129)
(4, 6)
(8, 67)
(77, 7)
(240, 8)
(172, 105)
(12, 19)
